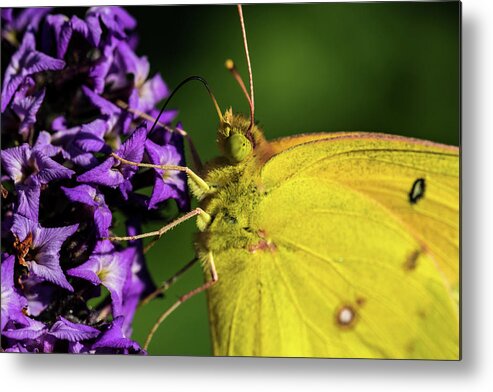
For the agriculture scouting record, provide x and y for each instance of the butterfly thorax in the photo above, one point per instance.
(235, 188)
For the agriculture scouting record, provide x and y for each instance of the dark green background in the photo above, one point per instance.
(389, 67)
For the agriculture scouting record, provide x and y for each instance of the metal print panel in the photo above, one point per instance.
(266, 180)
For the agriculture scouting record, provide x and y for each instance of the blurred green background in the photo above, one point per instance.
(387, 67)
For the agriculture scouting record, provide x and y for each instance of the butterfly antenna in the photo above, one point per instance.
(250, 75)
(231, 67)
(187, 80)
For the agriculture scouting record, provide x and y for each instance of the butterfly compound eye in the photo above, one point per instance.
(238, 147)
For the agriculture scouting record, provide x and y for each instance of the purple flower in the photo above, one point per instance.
(40, 248)
(139, 284)
(25, 17)
(105, 107)
(79, 348)
(112, 172)
(62, 92)
(93, 136)
(145, 94)
(67, 140)
(98, 71)
(90, 29)
(44, 144)
(31, 167)
(12, 303)
(108, 267)
(7, 16)
(61, 31)
(89, 196)
(115, 19)
(25, 62)
(114, 338)
(96, 135)
(28, 329)
(38, 292)
(66, 330)
(28, 201)
(26, 106)
(168, 184)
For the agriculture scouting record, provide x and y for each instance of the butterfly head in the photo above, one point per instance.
(236, 138)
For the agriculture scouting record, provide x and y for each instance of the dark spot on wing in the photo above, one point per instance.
(360, 301)
(417, 190)
(410, 347)
(346, 317)
(412, 261)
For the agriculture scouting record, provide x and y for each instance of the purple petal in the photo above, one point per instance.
(167, 117)
(46, 244)
(17, 348)
(103, 218)
(49, 170)
(82, 193)
(105, 106)
(43, 143)
(28, 201)
(116, 19)
(66, 330)
(150, 93)
(132, 64)
(38, 292)
(91, 143)
(30, 17)
(15, 162)
(167, 184)
(86, 272)
(13, 78)
(109, 268)
(104, 174)
(32, 167)
(7, 16)
(99, 71)
(67, 140)
(139, 284)
(114, 338)
(78, 348)
(12, 304)
(26, 61)
(26, 109)
(37, 62)
(89, 30)
(34, 329)
(88, 195)
(133, 150)
(61, 30)
(161, 191)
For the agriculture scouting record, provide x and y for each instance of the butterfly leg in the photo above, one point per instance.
(168, 283)
(183, 298)
(205, 217)
(203, 187)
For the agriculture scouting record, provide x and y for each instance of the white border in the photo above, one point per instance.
(474, 373)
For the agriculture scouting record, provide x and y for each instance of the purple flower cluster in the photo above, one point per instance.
(73, 89)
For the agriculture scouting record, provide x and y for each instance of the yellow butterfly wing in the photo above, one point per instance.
(357, 260)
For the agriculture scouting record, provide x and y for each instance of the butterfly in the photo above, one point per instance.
(341, 245)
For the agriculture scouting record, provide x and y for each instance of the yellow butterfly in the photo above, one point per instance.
(327, 245)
